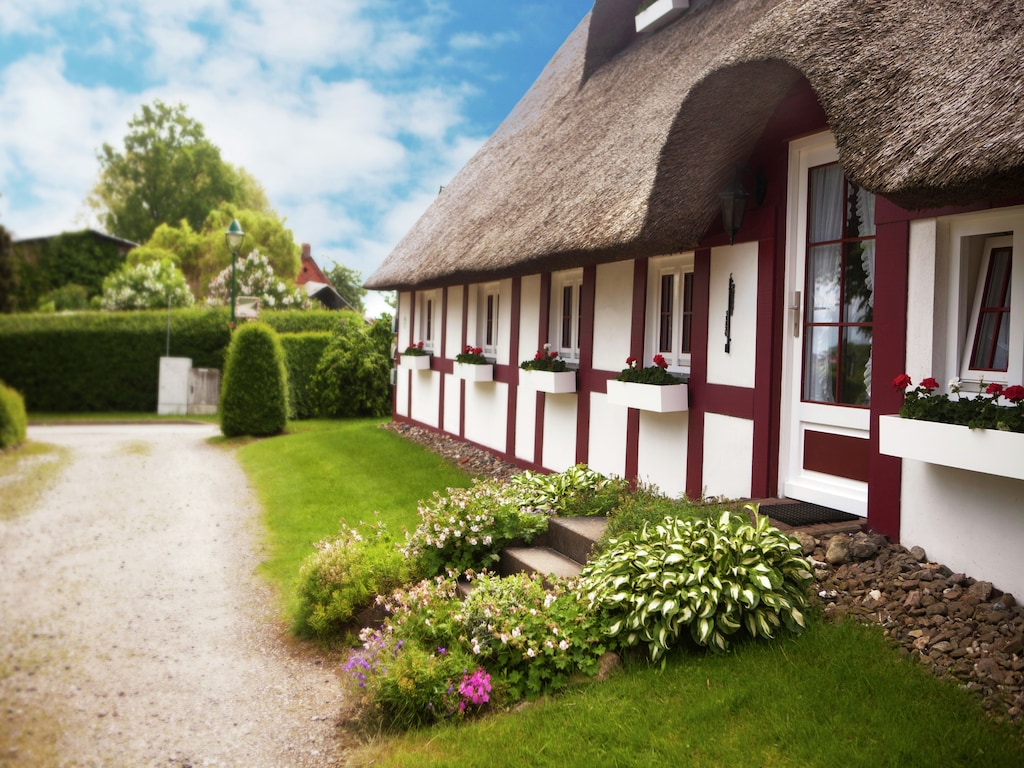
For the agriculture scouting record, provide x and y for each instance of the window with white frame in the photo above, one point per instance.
(987, 264)
(670, 310)
(429, 320)
(565, 313)
(487, 318)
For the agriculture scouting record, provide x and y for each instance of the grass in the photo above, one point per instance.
(25, 472)
(326, 472)
(837, 695)
(111, 416)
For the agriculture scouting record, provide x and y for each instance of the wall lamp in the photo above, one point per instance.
(734, 201)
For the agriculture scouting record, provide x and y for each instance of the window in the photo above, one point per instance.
(565, 313)
(987, 346)
(488, 319)
(839, 286)
(670, 313)
(429, 325)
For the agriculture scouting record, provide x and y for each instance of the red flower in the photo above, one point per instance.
(902, 381)
(552, 355)
(930, 384)
(630, 361)
(419, 345)
(659, 360)
(1014, 393)
(994, 389)
(539, 355)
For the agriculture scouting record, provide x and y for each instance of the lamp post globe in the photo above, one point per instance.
(234, 237)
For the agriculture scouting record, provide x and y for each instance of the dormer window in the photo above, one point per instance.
(652, 15)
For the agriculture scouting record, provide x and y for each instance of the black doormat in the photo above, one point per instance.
(805, 513)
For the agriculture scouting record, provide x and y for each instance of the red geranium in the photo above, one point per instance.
(631, 362)
(994, 389)
(930, 383)
(1014, 393)
(902, 381)
(659, 360)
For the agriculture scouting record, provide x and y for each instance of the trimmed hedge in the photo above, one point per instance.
(13, 419)
(110, 361)
(254, 388)
(302, 352)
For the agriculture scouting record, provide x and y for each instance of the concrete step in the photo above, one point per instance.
(575, 537)
(542, 560)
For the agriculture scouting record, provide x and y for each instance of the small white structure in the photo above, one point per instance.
(172, 395)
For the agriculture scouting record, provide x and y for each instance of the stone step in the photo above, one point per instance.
(575, 537)
(542, 560)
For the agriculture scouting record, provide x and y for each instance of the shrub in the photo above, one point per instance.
(13, 419)
(302, 353)
(343, 577)
(352, 378)
(711, 577)
(146, 286)
(578, 491)
(254, 388)
(70, 297)
(646, 506)
(254, 276)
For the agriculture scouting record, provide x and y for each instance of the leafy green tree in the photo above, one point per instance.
(254, 276)
(146, 286)
(168, 171)
(80, 258)
(348, 283)
(353, 377)
(8, 273)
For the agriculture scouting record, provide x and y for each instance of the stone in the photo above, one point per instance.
(838, 551)
(806, 542)
(864, 549)
(980, 590)
(607, 665)
(918, 554)
(956, 579)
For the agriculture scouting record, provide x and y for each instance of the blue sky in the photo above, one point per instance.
(351, 113)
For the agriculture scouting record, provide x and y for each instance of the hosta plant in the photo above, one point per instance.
(555, 492)
(705, 578)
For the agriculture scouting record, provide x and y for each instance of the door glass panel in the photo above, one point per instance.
(859, 281)
(854, 375)
(821, 363)
(825, 213)
(823, 264)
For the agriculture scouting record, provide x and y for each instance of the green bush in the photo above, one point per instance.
(13, 419)
(104, 361)
(353, 378)
(711, 578)
(302, 353)
(578, 491)
(254, 388)
(310, 320)
(343, 577)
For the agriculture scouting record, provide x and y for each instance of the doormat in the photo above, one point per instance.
(805, 513)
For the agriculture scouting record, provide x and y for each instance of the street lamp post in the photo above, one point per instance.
(234, 237)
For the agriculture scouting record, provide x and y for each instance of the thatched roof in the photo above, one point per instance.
(620, 147)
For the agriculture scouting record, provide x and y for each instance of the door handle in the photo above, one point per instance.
(795, 308)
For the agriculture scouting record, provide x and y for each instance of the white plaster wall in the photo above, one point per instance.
(559, 451)
(426, 395)
(505, 323)
(613, 315)
(526, 421)
(728, 456)
(453, 324)
(529, 317)
(607, 449)
(452, 397)
(737, 367)
(969, 521)
(921, 303)
(661, 455)
(402, 391)
(486, 413)
(405, 329)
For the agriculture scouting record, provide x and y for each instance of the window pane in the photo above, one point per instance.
(998, 279)
(567, 303)
(825, 209)
(489, 334)
(992, 337)
(855, 369)
(858, 286)
(687, 311)
(820, 364)
(430, 321)
(860, 212)
(665, 314)
(823, 273)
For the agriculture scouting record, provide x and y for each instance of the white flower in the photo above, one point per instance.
(564, 645)
(530, 652)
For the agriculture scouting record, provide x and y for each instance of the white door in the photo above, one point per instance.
(827, 350)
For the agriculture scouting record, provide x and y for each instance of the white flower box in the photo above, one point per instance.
(415, 362)
(648, 397)
(474, 372)
(659, 14)
(977, 450)
(555, 383)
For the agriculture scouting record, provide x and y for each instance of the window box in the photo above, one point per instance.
(474, 372)
(951, 445)
(648, 397)
(659, 14)
(555, 383)
(415, 362)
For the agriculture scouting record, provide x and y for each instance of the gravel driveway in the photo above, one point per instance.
(134, 630)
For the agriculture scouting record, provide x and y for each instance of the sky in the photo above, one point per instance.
(351, 113)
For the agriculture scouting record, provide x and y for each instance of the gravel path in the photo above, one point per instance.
(133, 628)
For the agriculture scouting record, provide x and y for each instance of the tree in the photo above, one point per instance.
(168, 171)
(146, 286)
(348, 283)
(8, 274)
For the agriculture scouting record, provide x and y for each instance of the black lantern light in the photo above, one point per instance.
(734, 205)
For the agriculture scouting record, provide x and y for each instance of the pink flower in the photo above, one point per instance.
(902, 381)
(659, 360)
(930, 383)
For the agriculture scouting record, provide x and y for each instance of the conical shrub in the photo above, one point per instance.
(254, 390)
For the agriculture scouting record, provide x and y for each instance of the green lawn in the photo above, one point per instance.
(839, 695)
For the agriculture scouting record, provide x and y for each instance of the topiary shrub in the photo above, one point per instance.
(708, 578)
(302, 352)
(254, 388)
(13, 419)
